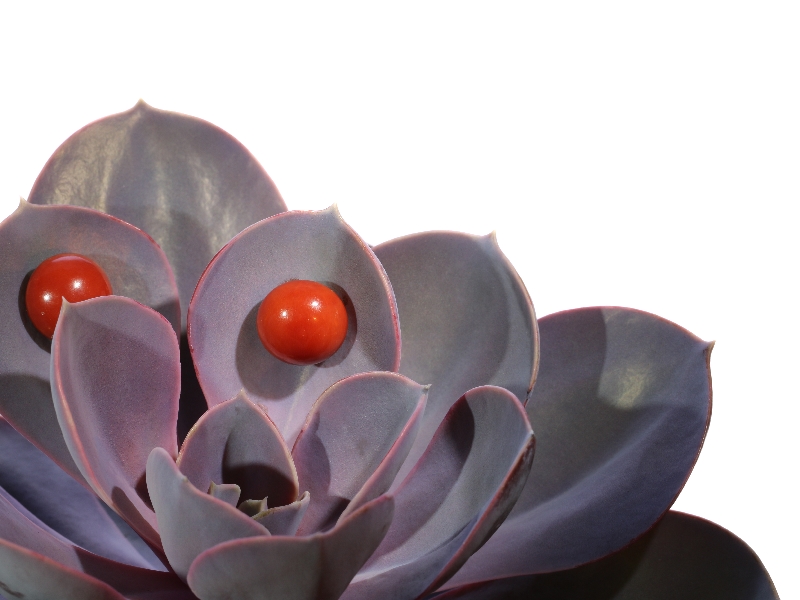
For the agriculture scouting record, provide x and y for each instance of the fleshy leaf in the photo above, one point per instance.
(184, 181)
(63, 504)
(225, 345)
(682, 557)
(635, 390)
(235, 442)
(18, 526)
(359, 432)
(467, 320)
(284, 520)
(461, 489)
(115, 378)
(136, 268)
(189, 520)
(316, 567)
(26, 574)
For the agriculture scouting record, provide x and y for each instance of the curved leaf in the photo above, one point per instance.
(236, 443)
(467, 320)
(63, 504)
(355, 439)
(682, 557)
(461, 489)
(635, 391)
(25, 574)
(18, 526)
(116, 379)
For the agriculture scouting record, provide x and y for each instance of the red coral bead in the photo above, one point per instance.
(69, 276)
(302, 322)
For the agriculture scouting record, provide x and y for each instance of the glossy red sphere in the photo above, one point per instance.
(69, 276)
(302, 322)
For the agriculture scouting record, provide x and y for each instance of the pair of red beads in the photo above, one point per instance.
(300, 322)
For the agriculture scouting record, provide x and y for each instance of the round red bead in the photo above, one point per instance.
(302, 322)
(69, 276)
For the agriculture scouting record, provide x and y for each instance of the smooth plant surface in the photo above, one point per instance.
(451, 446)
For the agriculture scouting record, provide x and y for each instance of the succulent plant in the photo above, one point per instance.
(155, 449)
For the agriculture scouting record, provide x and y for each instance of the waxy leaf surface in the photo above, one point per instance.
(20, 527)
(463, 486)
(115, 377)
(59, 501)
(354, 442)
(621, 407)
(184, 181)
(467, 320)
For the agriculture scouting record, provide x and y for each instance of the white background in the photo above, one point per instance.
(641, 154)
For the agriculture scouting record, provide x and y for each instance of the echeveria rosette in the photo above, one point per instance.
(114, 377)
(620, 409)
(235, 441)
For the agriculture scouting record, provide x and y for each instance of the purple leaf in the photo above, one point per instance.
(236, 443)
(467, 320)
(354, 442)
(63, 504)
(621, 405)
(184, 181)
(25, 574)
(115, 377)
(299, 245)
(681, 557)
(190, 521)
(18, 526)
(316, 567)
(463, 486)
(135, 266)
